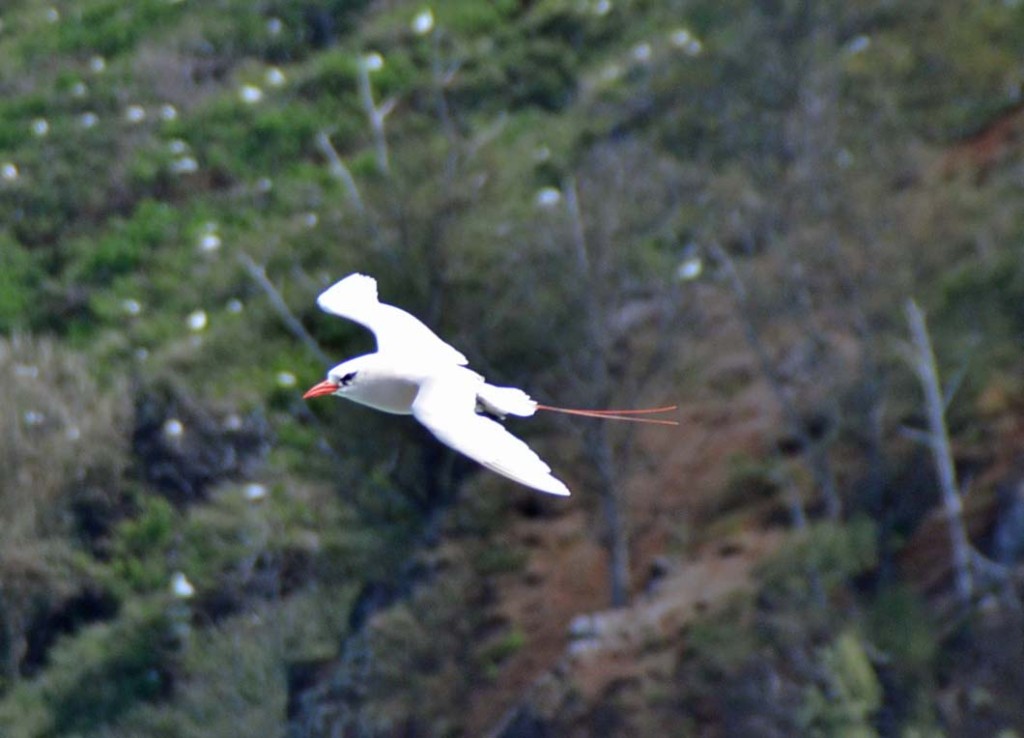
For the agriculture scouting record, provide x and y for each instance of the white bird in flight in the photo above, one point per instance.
(413, 372)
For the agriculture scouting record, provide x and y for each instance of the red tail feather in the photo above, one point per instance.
(626, 415)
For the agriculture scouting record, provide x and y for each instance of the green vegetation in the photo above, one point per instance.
(189, 549)
(851, 697)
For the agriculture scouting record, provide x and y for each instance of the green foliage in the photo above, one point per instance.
(833, 553)
(112, 28)
(430, 655)
(332, 75)
(844, 706)
(498, 559)
(989, 294)
(900, 626)
(665, 150)
(750, 481)
(19, 278)
(140, 544)
(535, 61)
(128, 244)
(468, 18)
(542, 75)
(97, 676)
(500, 649)
(63, 454)
(116, 667)
(721, 643)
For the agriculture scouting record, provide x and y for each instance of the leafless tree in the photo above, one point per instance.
(597, 444)
(376, 114)
(921, 357)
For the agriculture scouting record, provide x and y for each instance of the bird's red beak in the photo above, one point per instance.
(326, 387)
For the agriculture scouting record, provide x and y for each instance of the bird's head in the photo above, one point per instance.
(339, 380)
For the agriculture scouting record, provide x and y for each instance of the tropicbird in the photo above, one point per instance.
(413, 372)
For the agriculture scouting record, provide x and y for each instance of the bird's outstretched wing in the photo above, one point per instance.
(397, 332)
(446, 406)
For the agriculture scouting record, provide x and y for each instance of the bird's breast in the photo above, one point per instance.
(388, 394)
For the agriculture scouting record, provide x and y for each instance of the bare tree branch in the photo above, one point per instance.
(291, 322)
(928, 375)
(339, 171)
(376, 116)
(919, 436)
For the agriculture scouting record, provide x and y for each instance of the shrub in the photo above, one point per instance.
(850, 696)
(900, 626)
(988, 293)
(19, 276)
(97, 676)
(832, 552)
(63, 433)
(111, 27)
(126, 244)
(139, 546)
(63, 453)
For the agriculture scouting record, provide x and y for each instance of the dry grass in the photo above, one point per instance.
(60, 430)
(63, 436)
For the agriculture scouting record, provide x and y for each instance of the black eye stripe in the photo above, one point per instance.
(347, 379)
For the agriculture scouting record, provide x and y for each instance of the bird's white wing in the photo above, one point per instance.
(398, 332)
(446, 405)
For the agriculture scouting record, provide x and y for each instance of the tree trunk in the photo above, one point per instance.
(923, 362)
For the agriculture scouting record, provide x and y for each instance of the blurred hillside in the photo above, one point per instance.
(611, 203)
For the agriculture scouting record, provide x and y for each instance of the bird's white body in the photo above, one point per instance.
(413, 372)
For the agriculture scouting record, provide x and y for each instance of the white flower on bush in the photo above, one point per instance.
(197, 320)
(184, 165)
(181, 586)
(642, 52)
(250, 94)
(373, 62)
(689, 268)
(254, 491)
(209, 239)
(274, 77)
(173, 428)
(683, 38)
(135, 114)
(548, 197)
(423, 23)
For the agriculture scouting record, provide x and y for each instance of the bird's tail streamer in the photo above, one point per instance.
(626, 415)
